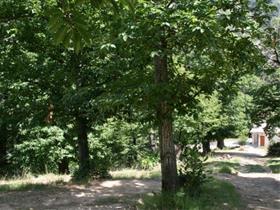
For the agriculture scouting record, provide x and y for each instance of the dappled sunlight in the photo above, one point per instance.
(111, 184)
(259, 190)
(33, 182)
(128, 173)
(116, 193)
(260, 175)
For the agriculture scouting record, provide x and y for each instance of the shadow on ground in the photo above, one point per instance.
(257, 192)
(111, 194)
(239, 154)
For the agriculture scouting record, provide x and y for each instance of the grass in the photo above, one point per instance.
(232, 166)
(136, 174)
(249, 168)
(226, 166)
(33, 183)
(274, 165)
(227, 170)
(30, 182)
(214, 195)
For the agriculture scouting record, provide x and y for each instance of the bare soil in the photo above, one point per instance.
(258, 190)
(110, 194)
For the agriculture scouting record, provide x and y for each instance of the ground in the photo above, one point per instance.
(110, 194)
(254, 180)
(247, 169)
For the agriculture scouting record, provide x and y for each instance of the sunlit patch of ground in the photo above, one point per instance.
(252, 173)
(32, 182)
(127, 173)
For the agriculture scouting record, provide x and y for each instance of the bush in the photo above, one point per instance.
(119, 144)
(274, 150)
(242, 141)
(215, 195)
(226, 170)
(148, 161)
(41, 150)
(192, 171)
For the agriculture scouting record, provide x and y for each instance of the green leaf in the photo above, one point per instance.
(60, 35)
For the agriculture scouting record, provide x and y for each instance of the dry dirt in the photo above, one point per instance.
(258, 190)
(110, 194)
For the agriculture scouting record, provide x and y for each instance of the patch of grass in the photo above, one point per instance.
(227, 170)
(126, 200)
(253, 169)
(22, 187)
(216, 195)
(224, 166)
(274, 165)
(32, 182)
(136, 174)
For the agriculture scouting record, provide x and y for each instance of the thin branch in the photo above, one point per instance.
(277, 60)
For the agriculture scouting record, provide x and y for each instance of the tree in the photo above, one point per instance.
(193, 44)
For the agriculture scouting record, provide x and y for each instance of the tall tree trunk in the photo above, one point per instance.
(206, 146)
(220, 143)
(84, 165)
(63, 166)
(164, 117)
(3, 144)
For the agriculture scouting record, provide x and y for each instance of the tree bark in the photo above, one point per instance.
(164, 118)
(63, 166)
(206, 147)
(84, 165)
(220, 143)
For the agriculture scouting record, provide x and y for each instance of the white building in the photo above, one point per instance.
(259, 136)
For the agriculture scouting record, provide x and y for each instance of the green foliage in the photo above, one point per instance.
(214, 195)
(266, 99)
(230, 166)
(274, 150)
(211, 44)
(117, 144)
(41, 150)
(242, 141)
(274, 165)
(192, 174)
(148, 160)
(226, 170)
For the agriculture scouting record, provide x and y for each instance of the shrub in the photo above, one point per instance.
(226, 170)
(274, 166)
(242, 142)
(215, 195)
(119, 144)
(148, 161)
(192, 170)
(274, 150)
(41, 150)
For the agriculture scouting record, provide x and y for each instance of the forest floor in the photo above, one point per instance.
(107, 194)
(255, 176)
(246, 168)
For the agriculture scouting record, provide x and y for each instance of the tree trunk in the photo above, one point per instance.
(220, 143)
(206, 147)
(63, 166)
(83, 145)
(164, 118)
(3, 144)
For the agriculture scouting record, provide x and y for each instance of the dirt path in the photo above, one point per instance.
(258, 190)
(111, 194)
